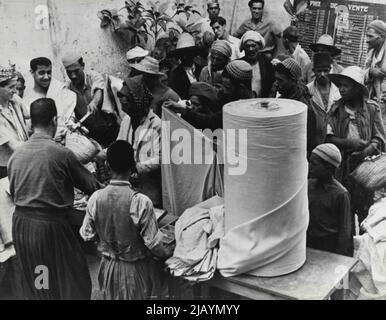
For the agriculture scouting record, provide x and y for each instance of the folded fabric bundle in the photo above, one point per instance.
(6, 211)
(197, 233)
(370, 271)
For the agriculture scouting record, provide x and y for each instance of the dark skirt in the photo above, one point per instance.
(139, 280)
(46, 245)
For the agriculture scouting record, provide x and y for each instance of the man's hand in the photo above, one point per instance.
(358, 144)
(92, 107)
(174, 106)
(368, 151)
(102, 155)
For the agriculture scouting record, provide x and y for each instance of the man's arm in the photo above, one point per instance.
(152, 236)
(240, 31)
(87, 231)
(154, 148)
(80, 176)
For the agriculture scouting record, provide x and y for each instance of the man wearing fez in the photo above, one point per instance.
(88, 86)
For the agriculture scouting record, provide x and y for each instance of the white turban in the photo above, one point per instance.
(254, 36)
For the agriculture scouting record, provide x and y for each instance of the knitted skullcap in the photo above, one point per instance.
(379, 26)
(329, 153)
(292, 67)
(222, 47)
(239, 70)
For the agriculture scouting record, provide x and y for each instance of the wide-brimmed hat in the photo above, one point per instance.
(136, 52)
(353, 73)
(327, 42)
(185, 44)
(148, 65)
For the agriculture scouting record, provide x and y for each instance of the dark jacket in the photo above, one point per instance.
(179, 81)
(267, 75)
(316, 125)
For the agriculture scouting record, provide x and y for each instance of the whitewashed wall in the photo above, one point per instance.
(74, 25)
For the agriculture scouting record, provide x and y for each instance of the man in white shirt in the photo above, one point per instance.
(213, 12)
(324, 92)
(47, 87)
(219, 26)
(291, 43)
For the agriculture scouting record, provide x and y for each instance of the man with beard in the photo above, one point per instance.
(376, 63)
(288, 75)
(220, 54)
(263, 73)
(186, 72)
(324, 93)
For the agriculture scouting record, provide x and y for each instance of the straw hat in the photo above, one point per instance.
(326, 42)
(353, 73)
(148, 65)
(185, 44)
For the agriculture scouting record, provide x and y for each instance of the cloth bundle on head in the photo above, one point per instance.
(203, 89)
(7, 73)
(222, 47)
(352, 73)
(379, 26)
(239, 70)
(253, 36)
(322, 60)
(136, 52)
(329, 153)
(70, 58)
(290, 66)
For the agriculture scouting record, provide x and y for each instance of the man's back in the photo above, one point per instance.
(43, 174)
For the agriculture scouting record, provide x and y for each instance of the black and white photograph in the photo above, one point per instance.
(211, 151)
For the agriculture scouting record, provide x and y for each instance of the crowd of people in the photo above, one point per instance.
(345, 124)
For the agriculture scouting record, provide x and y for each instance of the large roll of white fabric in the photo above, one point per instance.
(266, 208)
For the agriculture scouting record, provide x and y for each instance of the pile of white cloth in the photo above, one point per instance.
(197, 232)
(7, 207)
(370, 271)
